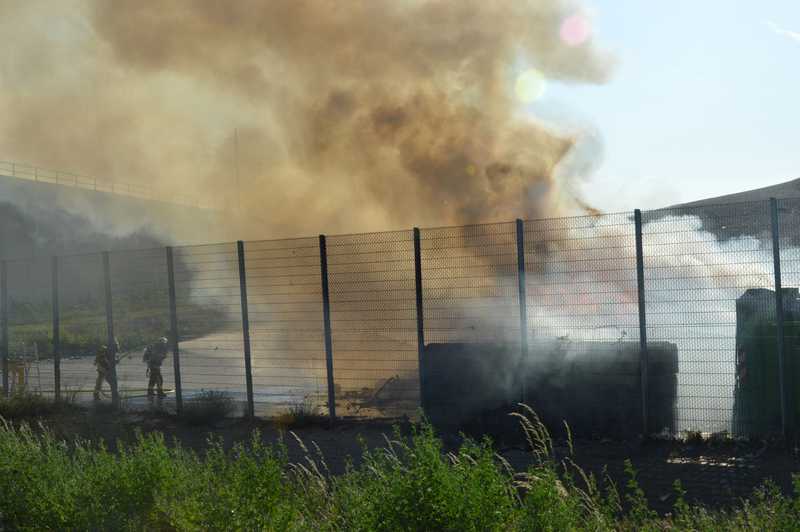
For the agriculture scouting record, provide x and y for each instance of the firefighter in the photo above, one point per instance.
(103, 361)
(154, 356)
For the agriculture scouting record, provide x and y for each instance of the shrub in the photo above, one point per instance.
(246, 489)
(21, 406)
(207, 407)
(301, 416)
(414, 486)
(47, 485)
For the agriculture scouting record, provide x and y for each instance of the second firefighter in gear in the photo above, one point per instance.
(154, 356)
(103, 360)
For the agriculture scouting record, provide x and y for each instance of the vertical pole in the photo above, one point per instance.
(4, 322)
(420, 318)
(523, 309)
(776, 254)
(173, 326)
(236, 160)
(248, 368)
(326, 318)
(112, 344)
(643, 355)
(56, 333)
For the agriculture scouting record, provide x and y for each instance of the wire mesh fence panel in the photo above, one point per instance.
(208, 305)
(286, 327)
(140, 301)
(583, 327)
(83, 324)
(30, 326)
(789, 231)
(373, 321)
(472, 329)
(710, 291)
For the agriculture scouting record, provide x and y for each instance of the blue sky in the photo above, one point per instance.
(704, 99)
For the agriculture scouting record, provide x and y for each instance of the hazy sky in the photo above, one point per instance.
(704, 100)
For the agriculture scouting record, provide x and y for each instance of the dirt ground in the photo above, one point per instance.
(714, 475)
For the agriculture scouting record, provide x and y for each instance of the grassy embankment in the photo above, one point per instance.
(137, 322)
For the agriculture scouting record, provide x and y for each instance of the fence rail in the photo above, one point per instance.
(667, 320)
(30, 172)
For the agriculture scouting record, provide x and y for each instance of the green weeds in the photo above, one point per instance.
(410, 484)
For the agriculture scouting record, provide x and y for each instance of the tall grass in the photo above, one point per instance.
(410, 484)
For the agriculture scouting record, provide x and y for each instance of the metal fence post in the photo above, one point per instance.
(326, 318)
(523, 309)
(173, 326)
(248, 368)
(112, 344)
(4, 322)
(56, 333)
(420, 318)
(643, 358)
(776, 255)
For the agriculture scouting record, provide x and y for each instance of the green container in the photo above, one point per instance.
(757, 402)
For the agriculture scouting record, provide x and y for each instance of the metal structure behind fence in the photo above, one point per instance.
(29, 339)
(788, 211)
(672, 313)
(699, 263)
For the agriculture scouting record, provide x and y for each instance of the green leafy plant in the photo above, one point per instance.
(207, 407)
(409, 484)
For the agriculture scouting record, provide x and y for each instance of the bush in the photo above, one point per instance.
(20, 406)
(147, 486)
(207, 407)
(414, 486)
(301, 416)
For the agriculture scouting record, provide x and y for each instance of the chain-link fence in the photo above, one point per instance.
(284, 296)
(663, 321)
(373, 323)
(209, 320)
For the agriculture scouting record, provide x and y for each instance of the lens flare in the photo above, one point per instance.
(575, 30)
(530, 85)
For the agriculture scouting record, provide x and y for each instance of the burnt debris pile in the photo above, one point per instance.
(594, 386)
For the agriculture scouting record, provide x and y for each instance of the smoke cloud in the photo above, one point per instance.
(329, 117)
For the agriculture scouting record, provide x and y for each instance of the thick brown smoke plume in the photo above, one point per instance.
(351, 116)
